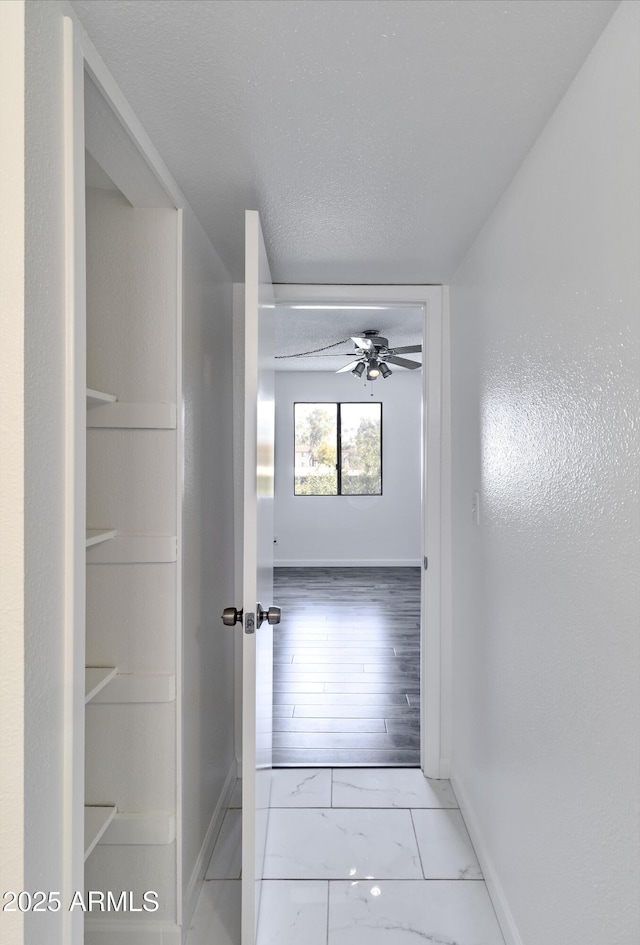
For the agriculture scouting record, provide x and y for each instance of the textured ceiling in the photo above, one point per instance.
(374, 136)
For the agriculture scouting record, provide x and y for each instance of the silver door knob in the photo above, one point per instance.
(231, 616)
(272, 615)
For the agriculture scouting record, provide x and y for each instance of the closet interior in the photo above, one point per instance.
(132, 588)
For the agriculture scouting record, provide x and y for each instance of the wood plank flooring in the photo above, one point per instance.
(347, 667)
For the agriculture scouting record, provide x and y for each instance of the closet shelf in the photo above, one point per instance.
(135, 549)
(95, 536)
(96, 678)
(132, 416)
(96, 821)
(96, 398)
(137, 687)
(149, 828)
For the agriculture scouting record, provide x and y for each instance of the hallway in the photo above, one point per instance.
(346, 682)
(480, 156)
(354, 857)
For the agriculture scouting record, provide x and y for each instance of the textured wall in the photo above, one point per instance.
(346, 530)
(545, 370)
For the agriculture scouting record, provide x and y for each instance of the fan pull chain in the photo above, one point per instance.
(301, 354)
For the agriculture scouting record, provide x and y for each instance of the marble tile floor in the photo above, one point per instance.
(346, 682)
(354, 857)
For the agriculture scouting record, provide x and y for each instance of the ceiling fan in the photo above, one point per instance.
(375, 355)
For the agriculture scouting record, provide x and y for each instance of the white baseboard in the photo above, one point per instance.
(131, 932)
(200, 867)
(492, 879)
(347, 563)
(445, 768)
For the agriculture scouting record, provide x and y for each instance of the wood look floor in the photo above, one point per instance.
(347, 667)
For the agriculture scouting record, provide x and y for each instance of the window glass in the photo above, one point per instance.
(361, 449)
(316, 449)
(338, 449)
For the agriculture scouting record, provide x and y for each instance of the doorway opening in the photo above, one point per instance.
(351, 653)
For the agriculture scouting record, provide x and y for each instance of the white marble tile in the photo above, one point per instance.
(444, 845)
(411, 913)
(301, 787)
(293, 912)
(217, 914)
(226, 859)
(389, 787)
(236, 796)
(338, 844)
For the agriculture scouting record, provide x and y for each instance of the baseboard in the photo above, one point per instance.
(131, 932)
(445, 768)
(200, 867)
(347, 563)
(492, 879)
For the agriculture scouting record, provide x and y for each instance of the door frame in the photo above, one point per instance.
(435, 623)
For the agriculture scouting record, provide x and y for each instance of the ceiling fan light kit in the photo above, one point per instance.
(376, 355)
(373, 370)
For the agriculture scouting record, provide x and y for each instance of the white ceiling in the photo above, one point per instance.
(374, 136)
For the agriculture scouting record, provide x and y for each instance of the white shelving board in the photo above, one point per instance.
(129, 416)
(96, 398)
(96, 821)
(95, 536)
(137, 687)
(96, 678)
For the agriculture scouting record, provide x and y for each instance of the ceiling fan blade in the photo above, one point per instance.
(408, 349)
(365, 343)
(403, 362)
(348, 367)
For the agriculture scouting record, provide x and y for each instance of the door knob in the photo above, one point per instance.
(231, 616)
(272, 615)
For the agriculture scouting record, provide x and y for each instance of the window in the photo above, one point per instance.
(338, 449)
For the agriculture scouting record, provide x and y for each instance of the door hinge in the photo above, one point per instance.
(249, 623)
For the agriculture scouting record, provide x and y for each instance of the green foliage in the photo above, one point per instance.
(317, 484)
(312, 428)
(363, 476)
(361, 484)
(326, 455)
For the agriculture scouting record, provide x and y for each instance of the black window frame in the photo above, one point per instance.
(339, 494)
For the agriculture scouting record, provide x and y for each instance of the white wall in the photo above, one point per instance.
(545, 370)
(44, 455)
(352, 530)
(12, 325)
(208, 761)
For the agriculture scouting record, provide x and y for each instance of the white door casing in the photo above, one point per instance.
(257, 641)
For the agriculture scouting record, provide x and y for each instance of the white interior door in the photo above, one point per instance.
(257, 636)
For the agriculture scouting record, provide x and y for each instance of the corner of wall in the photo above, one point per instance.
(491, 875)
